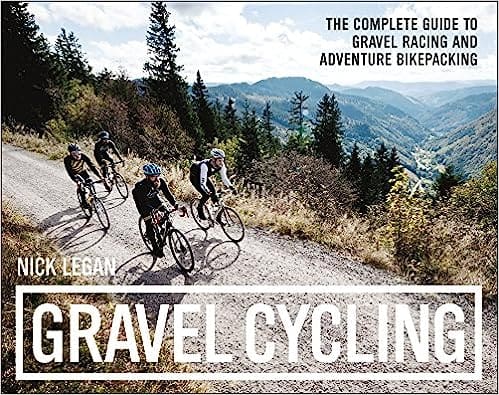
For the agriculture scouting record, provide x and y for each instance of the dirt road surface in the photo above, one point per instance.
(42, 190)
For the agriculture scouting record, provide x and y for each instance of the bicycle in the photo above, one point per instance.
(163, 229)
(227, 217)
(93, 203)
(115, 178)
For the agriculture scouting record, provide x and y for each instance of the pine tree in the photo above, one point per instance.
(299, 143)
(298, 107)
(165, 84)
(28, 68)
(203, 109)
(383, 172)
(217, 116)
(270, 144)
(72, 59)
(354, 165)
(249, 148)
(367, 192)
(230, 119)
(394, 160)
(445, 181)
(327, 131)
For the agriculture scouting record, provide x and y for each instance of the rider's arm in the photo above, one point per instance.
(115, 150)
(69, 169)
(203, 177)
(225, 179)
(90, 164)
(140, 199)
(166, 191)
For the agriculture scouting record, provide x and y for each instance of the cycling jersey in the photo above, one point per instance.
(101, 148)
(201, 171)
(76, 167)
(146, 198)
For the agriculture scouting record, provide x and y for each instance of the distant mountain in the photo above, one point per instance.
(367, 122)
(417, 89)
(409, 105)
(458, 113)
(374, 114)
(469, 147)
(443, 97)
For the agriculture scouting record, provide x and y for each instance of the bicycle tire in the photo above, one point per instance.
(86, 211)
(230, 219)
(143, 234)
(101, 212)
(204, 225)
(179, 244)
(121, 185)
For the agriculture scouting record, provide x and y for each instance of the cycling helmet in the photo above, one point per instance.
(217, 153)
(73, 147)
(151, 169)
(104, 135)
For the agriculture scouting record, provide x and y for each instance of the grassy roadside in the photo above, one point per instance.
(453, 254)
(21, 238)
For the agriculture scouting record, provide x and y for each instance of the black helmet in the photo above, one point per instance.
(104, 135)
(73, 147)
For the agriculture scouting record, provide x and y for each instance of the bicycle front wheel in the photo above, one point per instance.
(121, 185)
(86, 208)
(231, 223)
(181, 250)
(101, 212)
(203, 224)
(143, 234)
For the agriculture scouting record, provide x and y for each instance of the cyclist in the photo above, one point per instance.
(76, 163)
(199, 177)
(101, 151)
(145, 194)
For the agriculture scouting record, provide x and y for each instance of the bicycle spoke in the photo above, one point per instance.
(181, 250)
(101, 212)
(231, 223)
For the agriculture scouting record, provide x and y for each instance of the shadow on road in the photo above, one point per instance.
(68, 228)
(114, 202)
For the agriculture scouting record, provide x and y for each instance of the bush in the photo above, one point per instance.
(477, 198)
(406, 228)
(307, 179)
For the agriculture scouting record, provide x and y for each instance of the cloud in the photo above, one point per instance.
(218, 40)
(486, 13)
(130, 55)
(100, 16)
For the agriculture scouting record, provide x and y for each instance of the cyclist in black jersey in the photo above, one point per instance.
(102, 146)
(199, 177)
(76, 164)
(145, 194)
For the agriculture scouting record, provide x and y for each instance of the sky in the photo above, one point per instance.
(232, 42)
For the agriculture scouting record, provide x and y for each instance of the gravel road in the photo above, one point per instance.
(42, 190)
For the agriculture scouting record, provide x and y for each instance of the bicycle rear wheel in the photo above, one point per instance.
(121, 185)
(181, 250)
(101, 212)
(231, 224)
(143, 234)
(203, 224)
(86, 211)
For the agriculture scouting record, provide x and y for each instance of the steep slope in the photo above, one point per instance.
(440, 98)
(409, 105)
(460, 112)
(469, 147)
(366, 121)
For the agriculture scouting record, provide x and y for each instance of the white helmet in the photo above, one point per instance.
(217, 153)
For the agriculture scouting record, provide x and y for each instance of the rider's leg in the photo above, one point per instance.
(204, 196)
(152, 238)
(82, 191)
